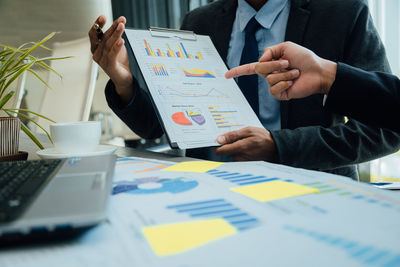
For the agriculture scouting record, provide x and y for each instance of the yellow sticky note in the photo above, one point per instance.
(175, 238)
(194, 166)
(268, 191)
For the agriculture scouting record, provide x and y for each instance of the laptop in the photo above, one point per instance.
(60, 198)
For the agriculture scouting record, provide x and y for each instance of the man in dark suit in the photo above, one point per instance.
(308, 136)
(370, 97)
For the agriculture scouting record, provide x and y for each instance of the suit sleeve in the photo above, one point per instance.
(370, 97)
(324, 148)
(139, 115)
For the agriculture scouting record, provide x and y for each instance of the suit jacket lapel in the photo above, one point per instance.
(296, 26)
(223, 27)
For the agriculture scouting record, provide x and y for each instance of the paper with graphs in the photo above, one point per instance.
(185, 77)
(175, 218)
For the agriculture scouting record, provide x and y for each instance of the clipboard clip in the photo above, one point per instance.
(168, 33)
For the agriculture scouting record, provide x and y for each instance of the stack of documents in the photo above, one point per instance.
(233, 214)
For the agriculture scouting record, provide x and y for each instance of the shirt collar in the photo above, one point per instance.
(265, 16)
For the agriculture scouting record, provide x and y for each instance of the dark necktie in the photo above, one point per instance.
(249, 84)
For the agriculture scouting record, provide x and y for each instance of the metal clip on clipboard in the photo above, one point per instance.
(168, 33)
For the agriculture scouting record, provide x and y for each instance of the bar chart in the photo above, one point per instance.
(180, 52)
(159, 69)
(365, 253)
(224, 118)
(243, 178)
(218, 208)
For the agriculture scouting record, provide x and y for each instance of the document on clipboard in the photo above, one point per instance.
(185, 77)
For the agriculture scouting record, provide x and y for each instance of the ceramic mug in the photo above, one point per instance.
(76, 137)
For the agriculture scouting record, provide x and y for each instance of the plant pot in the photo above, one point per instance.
(9, 139)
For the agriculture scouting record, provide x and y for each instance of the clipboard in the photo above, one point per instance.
(184, 76)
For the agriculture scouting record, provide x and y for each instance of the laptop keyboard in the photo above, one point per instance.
(20, 181)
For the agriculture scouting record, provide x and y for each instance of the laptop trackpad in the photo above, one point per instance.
(71, 194)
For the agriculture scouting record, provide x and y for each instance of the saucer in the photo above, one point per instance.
(52, 153)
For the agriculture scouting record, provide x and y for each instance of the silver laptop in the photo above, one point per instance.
(74, 198)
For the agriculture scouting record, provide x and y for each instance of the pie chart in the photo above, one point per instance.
(154, 185)
(181, 119)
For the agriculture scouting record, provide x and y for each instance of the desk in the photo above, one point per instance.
(345, 224)
(26, 144)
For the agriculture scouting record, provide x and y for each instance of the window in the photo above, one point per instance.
(145, 13)
(385, 14)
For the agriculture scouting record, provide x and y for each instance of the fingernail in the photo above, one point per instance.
(119, 42)
(284, 64)
(265, 56)
(295, 73)
(221, 139)
(119, 27)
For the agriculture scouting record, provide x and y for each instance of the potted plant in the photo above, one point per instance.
(14, 61)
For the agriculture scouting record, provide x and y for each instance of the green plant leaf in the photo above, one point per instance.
(31, 135)
(33, 121)
(29, 111)
(38, 77)
(47, 67)
(28, 132)
(16, 75)
(45, 39)
(5, 99)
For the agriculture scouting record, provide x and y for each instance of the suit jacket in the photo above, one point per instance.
(372, 97)
(311, 137)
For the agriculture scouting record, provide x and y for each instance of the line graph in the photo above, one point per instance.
(191, 93)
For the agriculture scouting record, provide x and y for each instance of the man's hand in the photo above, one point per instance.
(110, 53)
(250, 143)
(291, 71)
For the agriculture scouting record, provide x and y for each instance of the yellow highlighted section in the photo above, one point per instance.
(176, 238)
(268, 191)
(194, 166)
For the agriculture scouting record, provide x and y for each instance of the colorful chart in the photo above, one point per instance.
(223, 118)
(180, 53)
(219, 208)
(196, 117)
(159, 70)
(152, 185)
(181, 119)
(198, 73)
(354, 193)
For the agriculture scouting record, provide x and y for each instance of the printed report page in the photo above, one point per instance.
(194, 100)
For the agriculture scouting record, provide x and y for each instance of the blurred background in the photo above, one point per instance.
(80, 94)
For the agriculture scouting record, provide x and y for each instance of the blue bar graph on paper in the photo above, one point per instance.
(219, 208)
(243, 178)
(364, 253)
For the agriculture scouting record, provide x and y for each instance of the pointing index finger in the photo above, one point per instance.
(247, 69)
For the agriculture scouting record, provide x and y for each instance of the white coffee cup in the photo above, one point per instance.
(76, 137)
